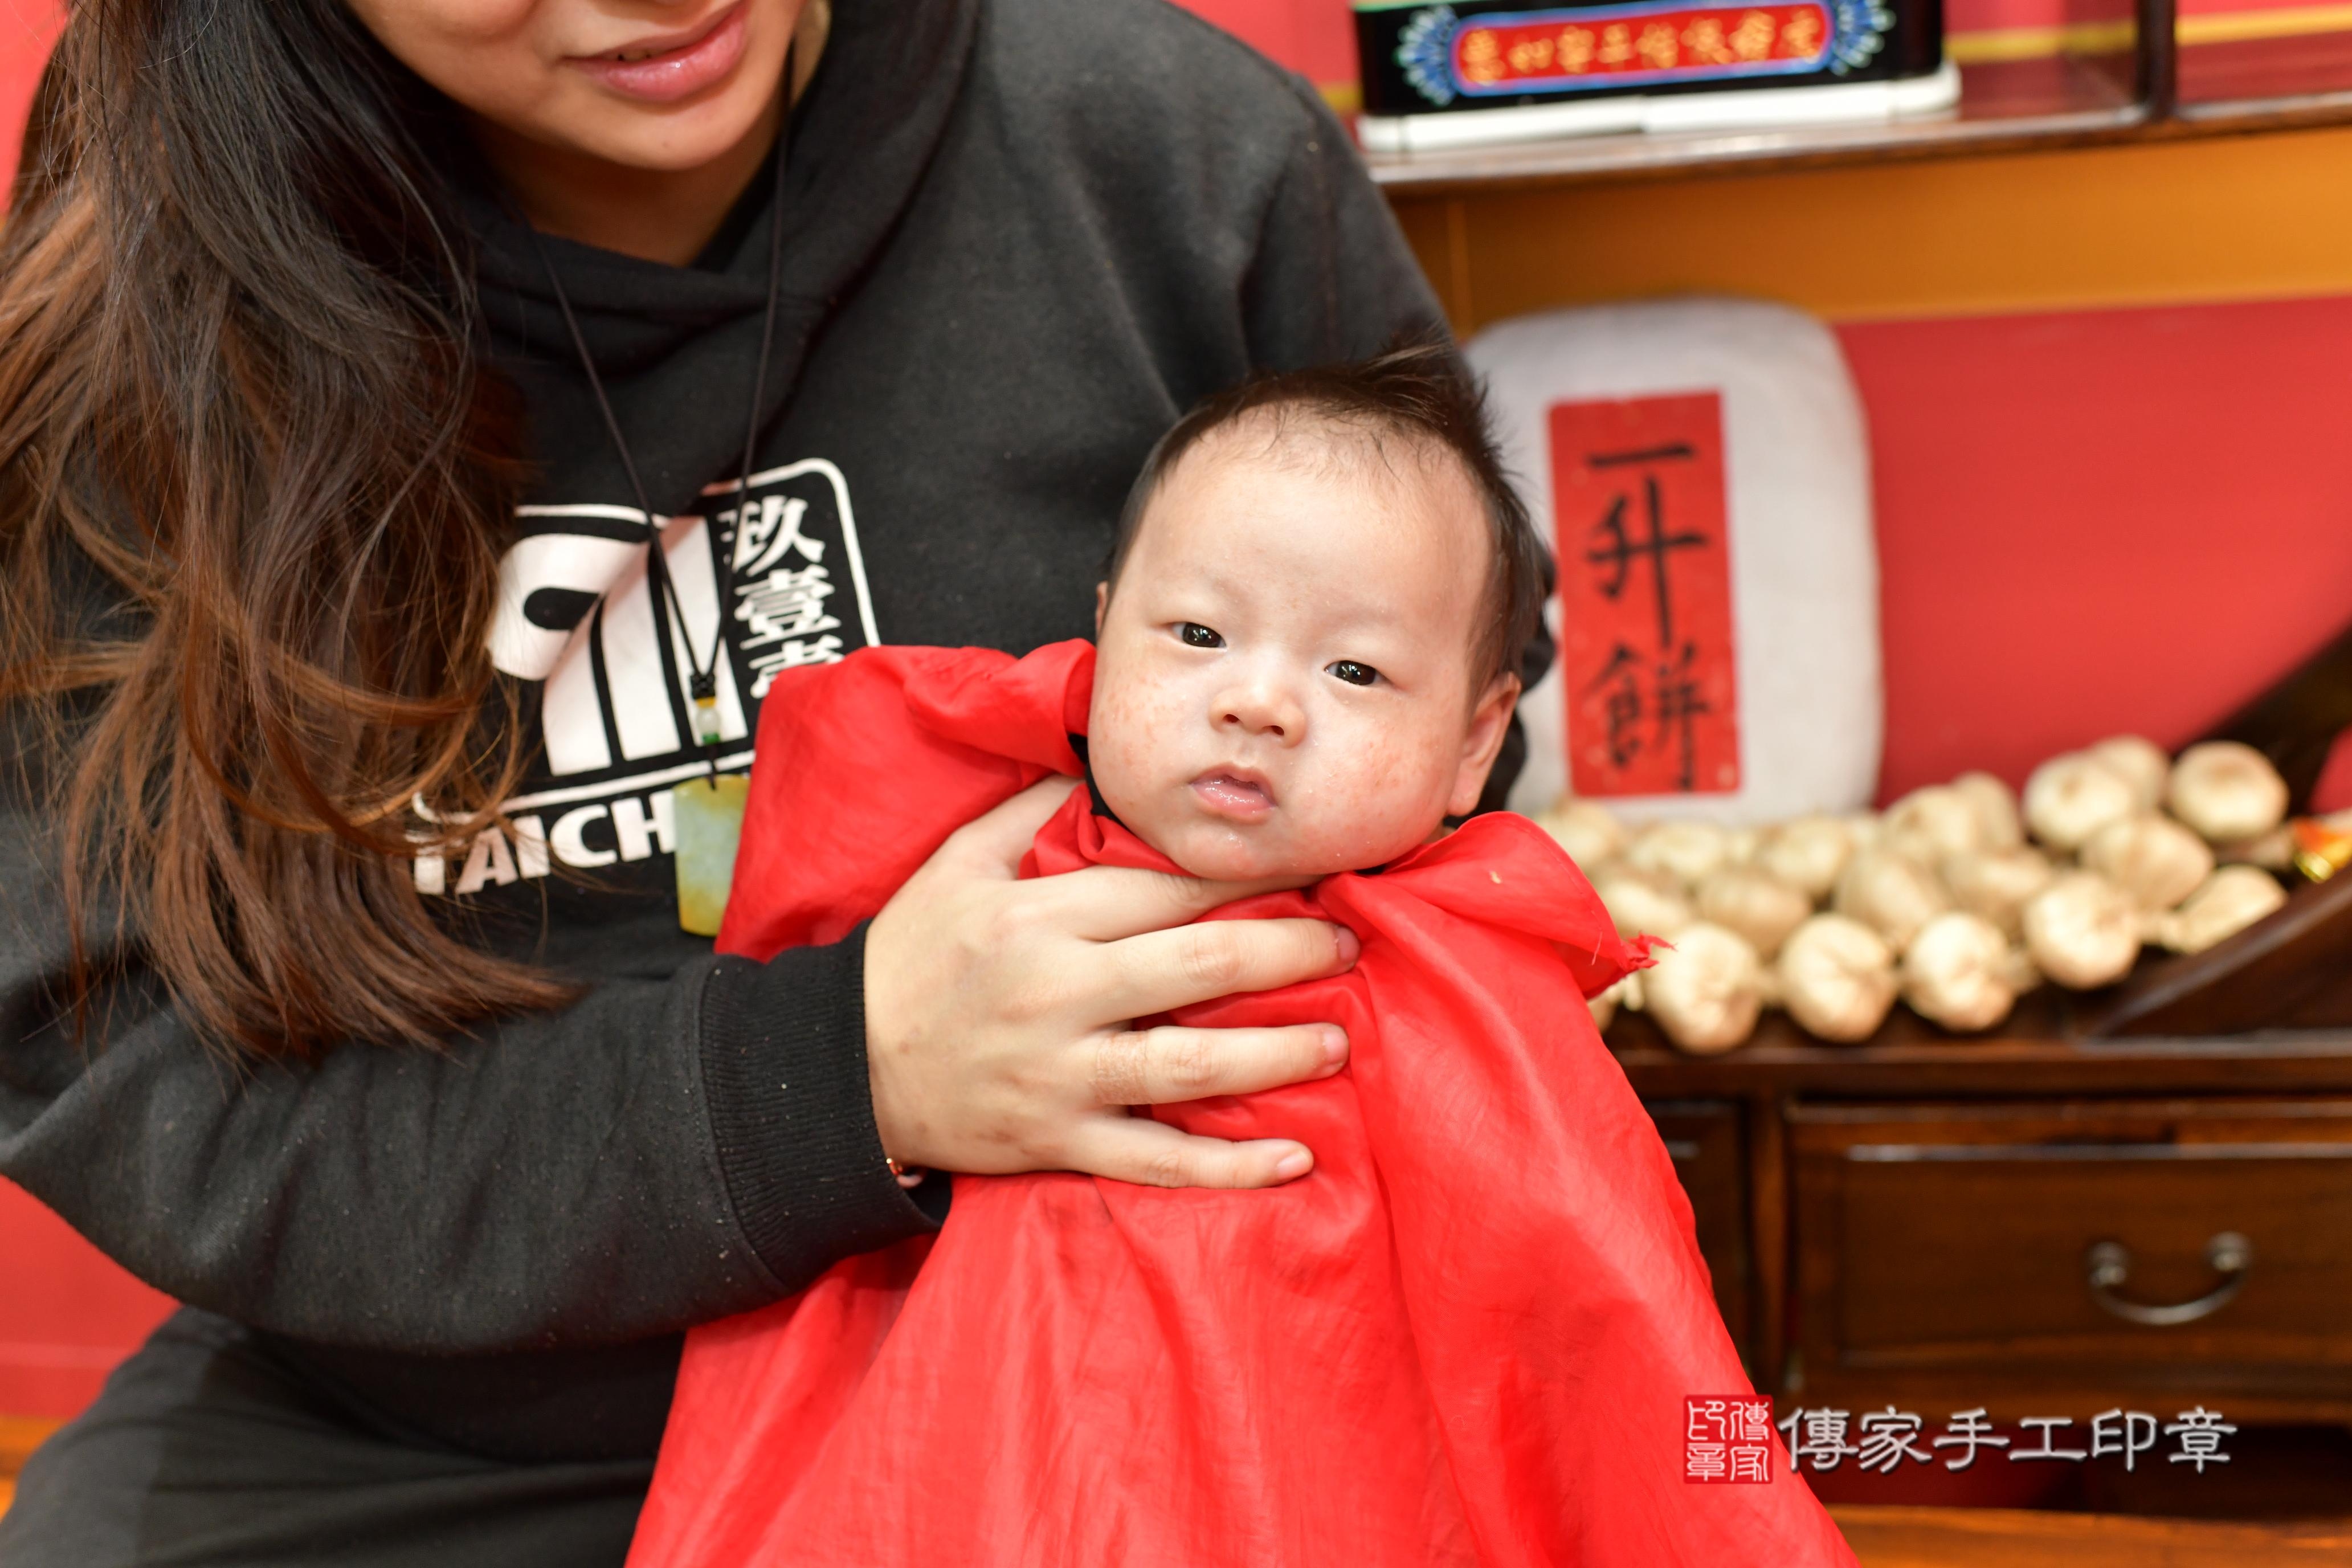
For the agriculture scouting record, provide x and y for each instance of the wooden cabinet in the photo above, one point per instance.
(2124, 1253)
(2037, 1223)
(1704, 1138)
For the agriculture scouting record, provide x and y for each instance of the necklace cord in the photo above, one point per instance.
(704, 687)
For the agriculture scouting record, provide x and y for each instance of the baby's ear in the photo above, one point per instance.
(1490, 720)
(1102, 602)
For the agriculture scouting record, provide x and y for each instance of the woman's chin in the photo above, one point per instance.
(654, 141)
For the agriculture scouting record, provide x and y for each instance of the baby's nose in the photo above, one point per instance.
(1263, 711)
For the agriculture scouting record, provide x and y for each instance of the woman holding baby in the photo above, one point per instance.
(346, 348)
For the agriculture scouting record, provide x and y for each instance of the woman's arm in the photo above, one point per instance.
(695, 1137)
(1332, 277)
(688, 1139)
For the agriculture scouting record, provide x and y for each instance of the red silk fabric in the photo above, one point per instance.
(1466, 1337)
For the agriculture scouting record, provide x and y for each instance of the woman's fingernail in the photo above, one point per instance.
(1350, 946)
(1335, 1045)
(1293, 1165)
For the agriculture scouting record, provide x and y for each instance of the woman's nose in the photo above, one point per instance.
(1262, 711)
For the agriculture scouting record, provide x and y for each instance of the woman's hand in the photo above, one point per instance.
(998, 1013)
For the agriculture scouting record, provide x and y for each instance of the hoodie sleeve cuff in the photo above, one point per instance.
(792, 1112)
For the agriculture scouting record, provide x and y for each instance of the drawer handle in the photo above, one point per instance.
(2107, 1266)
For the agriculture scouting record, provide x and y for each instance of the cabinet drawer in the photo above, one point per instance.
(2202, 1248)
(1703, 1136)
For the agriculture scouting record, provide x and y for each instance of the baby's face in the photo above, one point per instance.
(1284, 682)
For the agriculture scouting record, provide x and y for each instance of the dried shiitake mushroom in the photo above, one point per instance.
(2232, 899)
(1837, 978)
(2150, 857)
(1686, 851)
(1891, 893)
(1754, 903)
(1931, 823)
(2071, 797)
(2083, 930)
(1641, 901)
(1995, 884)
(1589, 831)
(1999, 826)
(2228, 791)
(1705, 990)
(2141, 762)
(1807, 853)
(1961, 972)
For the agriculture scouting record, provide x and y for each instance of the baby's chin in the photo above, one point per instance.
(1223, 852)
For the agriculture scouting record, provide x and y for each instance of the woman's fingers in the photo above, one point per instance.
(997, 1012)
(1166, 1065)
(1161, 971)
(1153, 1154)
(1108, 903)
(999, 839)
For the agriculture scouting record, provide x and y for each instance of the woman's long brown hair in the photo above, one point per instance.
(253, 490)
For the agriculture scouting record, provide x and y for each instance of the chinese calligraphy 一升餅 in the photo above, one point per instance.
(1648, 650)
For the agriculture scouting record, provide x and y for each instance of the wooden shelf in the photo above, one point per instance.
(2257, 82)
(2037, 1052)
(2065, 101)
(2265, 1010)
(1894, 1537)
(2062, 99)
(19, 1435)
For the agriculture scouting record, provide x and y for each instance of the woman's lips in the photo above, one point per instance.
(680, 71)
(1234, 795)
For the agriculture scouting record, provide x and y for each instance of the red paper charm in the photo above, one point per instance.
(1648, 651)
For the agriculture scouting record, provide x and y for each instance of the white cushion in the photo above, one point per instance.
(1803, 561)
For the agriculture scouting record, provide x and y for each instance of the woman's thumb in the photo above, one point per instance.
(1000, 838)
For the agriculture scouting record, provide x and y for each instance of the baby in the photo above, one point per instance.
(1480, 1331)
(1308, 640)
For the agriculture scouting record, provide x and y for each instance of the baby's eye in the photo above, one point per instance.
(1195, 634)
(1354, 674)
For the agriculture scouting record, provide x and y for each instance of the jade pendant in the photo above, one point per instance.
(709, 821)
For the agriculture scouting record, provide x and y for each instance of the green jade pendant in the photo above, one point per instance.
(709, 821)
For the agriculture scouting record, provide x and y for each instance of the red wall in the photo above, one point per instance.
(1316, 39)
(2101, 521)
(67, 1315)
(27, 29)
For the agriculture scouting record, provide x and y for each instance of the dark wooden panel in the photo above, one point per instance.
(1704, 1138)
(2010, 1538)
(1944, 1246)
(2288, 969)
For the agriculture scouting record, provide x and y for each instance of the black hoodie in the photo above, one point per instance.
(1020, 237)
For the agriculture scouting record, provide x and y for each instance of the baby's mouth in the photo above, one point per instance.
(1241, 795)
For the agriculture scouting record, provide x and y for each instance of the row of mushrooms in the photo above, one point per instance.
(1957, 899)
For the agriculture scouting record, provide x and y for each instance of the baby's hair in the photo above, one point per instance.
(1422, 394)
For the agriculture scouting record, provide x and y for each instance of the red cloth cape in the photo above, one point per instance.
(1466, 1337)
